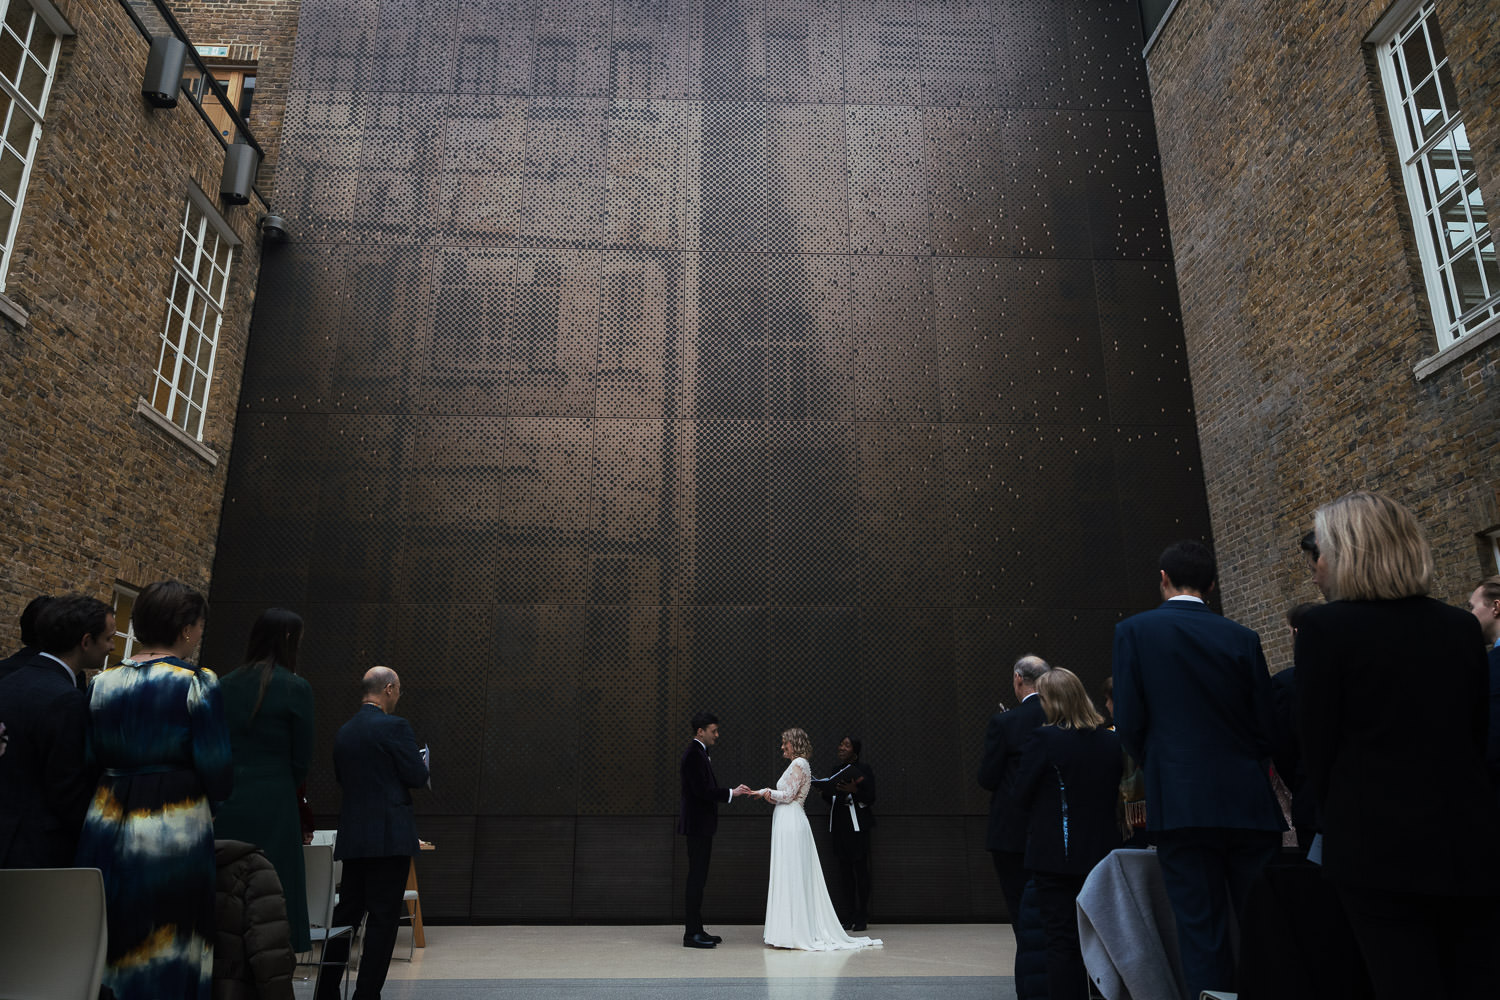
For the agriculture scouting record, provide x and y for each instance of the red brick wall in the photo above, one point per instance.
(1301, 289)
(92, 492)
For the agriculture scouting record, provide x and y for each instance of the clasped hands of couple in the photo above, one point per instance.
(754, 793)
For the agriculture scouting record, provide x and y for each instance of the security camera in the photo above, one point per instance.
(274, 226)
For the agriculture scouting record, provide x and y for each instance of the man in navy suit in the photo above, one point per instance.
(1003, 742)
(377, 764)
(1193, 705)
(1485, 603)
(698, 820)
(45, 780)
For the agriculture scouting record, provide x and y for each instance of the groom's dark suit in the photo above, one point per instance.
(45, 781)
(698, 820)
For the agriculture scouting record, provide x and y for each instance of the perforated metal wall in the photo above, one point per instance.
(803, 362)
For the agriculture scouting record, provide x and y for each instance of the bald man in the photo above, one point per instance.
(377, 764)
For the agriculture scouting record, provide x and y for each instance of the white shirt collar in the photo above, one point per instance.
(71, 676)
(1187, 597)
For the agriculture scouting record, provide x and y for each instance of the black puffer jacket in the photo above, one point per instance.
(253, 958)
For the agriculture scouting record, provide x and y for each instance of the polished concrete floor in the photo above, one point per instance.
(960, 961)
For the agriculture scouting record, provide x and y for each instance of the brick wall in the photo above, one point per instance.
(260, 31)
(1301, 289)
(91, 491)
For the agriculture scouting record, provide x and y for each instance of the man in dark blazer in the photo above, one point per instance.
(1193, 705)
(29, 644)
(1003, 742)
(698, 820)
(1485, 604)
(850, 792)
(45, 780)
(377, 764)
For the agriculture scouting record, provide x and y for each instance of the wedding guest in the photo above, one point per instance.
(270, 714)
(29, 644)
(1392, 714)
(158, 731)
(1068, 783)
(849, 792)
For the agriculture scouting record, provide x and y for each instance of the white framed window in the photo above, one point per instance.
(1453, 232)
(124, 603)
(195, 310)
(1493, 535)
(30, 38)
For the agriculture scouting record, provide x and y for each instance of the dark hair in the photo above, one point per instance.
(273, 639)
(64, 622)
(1297, 612)
(1189, 565)
(703, 720)
(28, 618)
(163, 610)
(854, 744)
(1309, 544)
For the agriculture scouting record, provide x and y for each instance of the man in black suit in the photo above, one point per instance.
(1193, 704)
(29, 645)
(849, 792)
(377, 764)
(45, 780)
(1003, 742)
(1485, 604)
(698, 820)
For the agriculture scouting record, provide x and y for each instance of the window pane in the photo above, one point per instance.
(11, 167)
(1435, 34)
(7, 210)
(1466, 282)
(1445, 167)
(161, 400)
(18, 17)
(33, 81)
(1429, 109)
(10, 56)
(1456, 228)
(193, 423)
(205, 353)
(1490, 269)
(42, 38)
(21, 127)
(1414, 52)
(180, 294)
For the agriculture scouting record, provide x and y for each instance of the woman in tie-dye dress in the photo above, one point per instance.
(160, 738)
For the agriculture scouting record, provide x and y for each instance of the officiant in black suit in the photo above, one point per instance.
(698, 820)
(849, 792)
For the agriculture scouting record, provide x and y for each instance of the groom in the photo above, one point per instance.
(698, 820)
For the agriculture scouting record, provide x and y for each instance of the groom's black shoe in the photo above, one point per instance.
(859, 925)
(713, 937)
(699, 940)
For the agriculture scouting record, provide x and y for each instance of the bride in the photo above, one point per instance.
(799, 913)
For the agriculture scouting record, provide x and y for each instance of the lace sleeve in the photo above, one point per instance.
(794, 784)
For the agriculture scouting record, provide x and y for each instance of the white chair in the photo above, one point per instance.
(411, 914)
(318, 859)
(53, 933)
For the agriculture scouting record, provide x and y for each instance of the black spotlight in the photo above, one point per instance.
(164, 71)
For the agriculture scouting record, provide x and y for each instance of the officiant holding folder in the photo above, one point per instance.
(849, 792)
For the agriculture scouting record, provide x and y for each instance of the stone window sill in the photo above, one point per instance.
(1460, 348)
(182, 437)
(11, 310)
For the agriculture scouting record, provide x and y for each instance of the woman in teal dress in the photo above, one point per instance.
(270, 713)
(159, 736)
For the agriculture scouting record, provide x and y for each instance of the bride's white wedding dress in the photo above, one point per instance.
(799, 913)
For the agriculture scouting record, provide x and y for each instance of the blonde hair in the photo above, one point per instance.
(1066, 701)
(801, 745)
(1374, 548)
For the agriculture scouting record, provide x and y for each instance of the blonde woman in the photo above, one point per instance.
(799, 913)
(1067, 784)
(1392, 714)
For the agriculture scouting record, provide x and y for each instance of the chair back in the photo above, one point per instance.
(318, 860)
(325, 837)
(53, 933)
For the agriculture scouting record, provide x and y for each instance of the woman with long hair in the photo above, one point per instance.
(799, 913)
(270, 714)
(158, 733)
(1392, 714)
(1067, 783)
